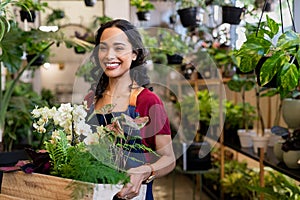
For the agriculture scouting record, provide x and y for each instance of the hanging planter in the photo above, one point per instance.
(143, 16)
(231, 14)
(189, 16)
(40, 60)
(89, 3)
(174, 59)
(27, 15)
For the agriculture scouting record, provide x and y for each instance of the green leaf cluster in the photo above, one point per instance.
(190, 3)
(32, 5)
(203, 108)
(142, 5)
(76, 162)
(282, 55)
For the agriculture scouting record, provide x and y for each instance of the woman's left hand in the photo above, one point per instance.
(137, 176)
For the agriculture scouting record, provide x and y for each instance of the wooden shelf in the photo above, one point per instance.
(269, 160)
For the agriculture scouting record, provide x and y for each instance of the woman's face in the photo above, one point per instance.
(115, 52)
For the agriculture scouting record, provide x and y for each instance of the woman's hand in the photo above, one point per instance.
(137, 176)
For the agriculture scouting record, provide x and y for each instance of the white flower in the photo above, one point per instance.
(81, 128)
(91, 139)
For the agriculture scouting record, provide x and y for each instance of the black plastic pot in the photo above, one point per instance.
(29, 16)
(143, 16)
(89, 3)
(189, 17)
(38, 62)
(196, 156)
(174, 59)
(231, 14)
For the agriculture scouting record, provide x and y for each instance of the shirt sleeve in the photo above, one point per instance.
(149, 104)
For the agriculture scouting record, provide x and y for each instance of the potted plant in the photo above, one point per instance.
(188, 11)
(235, 118)
(73, 147)
(28, 9)
(280, 56)
(143, 7)
(57, 14)
(173, 45)
(241, 84)
(289, 151)
(36, 41)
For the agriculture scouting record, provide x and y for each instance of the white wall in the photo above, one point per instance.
(297, 14)
(117, 9)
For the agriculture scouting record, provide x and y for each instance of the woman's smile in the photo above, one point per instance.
(112, 65)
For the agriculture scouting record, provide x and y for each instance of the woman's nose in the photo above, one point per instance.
(111, 53)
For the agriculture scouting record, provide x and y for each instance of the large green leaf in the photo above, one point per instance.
(288, 40)
(248, 63)
(289, 77)
(273, 26)
(271, 66)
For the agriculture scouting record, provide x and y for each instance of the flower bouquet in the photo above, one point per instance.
(90, 156)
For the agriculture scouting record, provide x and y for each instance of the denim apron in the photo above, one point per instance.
(137, 154)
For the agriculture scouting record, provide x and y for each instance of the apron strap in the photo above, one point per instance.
(134, 94)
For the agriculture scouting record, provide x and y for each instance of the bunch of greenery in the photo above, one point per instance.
(18, 130)
(241, 182)
(282, 56)
(236, 114)
(142, 5)
(32, 5)
(203, 107)
(190, 3)
(83, 152)
(172, 43)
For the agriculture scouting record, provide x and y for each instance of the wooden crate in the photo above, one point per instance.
(45, 187)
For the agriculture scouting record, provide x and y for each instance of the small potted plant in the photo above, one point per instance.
(143, 7)
(188, 11)
(28, 9)
(57, 14)
(241, 84)
(173, 45)
(289, 151)
(36, 45)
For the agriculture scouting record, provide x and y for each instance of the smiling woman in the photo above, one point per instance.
(121, 57)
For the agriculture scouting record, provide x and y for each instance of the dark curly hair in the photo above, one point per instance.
(138, 71)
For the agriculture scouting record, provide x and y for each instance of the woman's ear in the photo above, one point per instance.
(134, 55)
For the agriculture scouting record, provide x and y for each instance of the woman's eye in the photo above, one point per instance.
(102, 48)
(119, 48)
